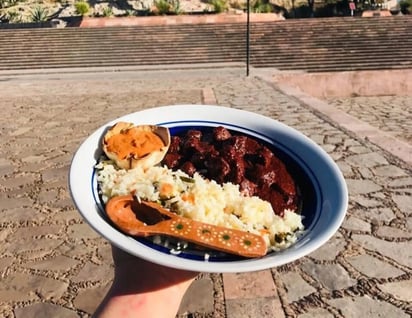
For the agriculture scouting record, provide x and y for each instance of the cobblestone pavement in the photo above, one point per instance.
(53, 265)
(392, 114)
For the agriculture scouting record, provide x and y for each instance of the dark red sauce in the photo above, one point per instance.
(225, 156)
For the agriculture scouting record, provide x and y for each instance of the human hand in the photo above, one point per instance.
(140, 288)
(138, 275)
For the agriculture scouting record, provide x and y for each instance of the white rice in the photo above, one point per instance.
(216, 204)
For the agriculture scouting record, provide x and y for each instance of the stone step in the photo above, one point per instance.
(276, 54)
(291, 39)
(313, 45)
(265, 28)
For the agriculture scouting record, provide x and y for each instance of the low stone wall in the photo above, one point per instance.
(179, 19)
(345, 84)
(87, 22)
(32, 25)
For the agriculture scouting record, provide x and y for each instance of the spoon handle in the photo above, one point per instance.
(127, 214)
(211, 236)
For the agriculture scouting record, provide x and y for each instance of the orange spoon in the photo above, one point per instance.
(141, 218)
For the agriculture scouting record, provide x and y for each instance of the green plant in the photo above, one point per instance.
(129, 13)
(162, 6)
(107, 11)
(175, 7)
(39, 14)
(14, 17)
(7, 3)
(406, 6)
(82, 7)
(219, 5)
(261, 6)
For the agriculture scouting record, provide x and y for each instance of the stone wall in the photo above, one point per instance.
(346, 84)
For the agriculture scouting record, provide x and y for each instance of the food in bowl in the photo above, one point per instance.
(201, 198)
(130, 146)
(226, 156)
(136, 217)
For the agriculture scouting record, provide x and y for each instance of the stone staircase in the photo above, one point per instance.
(337, 44)
(312, 45)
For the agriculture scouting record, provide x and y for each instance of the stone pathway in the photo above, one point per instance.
(53, 265)
(392, 114)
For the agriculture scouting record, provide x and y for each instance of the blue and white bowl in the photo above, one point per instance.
(323, 190)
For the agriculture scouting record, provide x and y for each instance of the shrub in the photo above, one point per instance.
(261, 6)
(7, 3)
(219, 5)
(162, 6)
(176, 8)
(14, 17)
(129, 13)
(82, 7)
(406, 6)
(39, 14)
(107, 12)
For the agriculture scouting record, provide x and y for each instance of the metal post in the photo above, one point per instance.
(247, 37)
